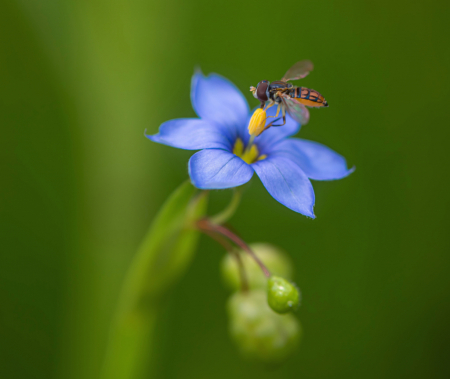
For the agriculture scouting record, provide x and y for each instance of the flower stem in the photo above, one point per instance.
(229, 211)
(231, 250)
(205, 224)
(164, 254)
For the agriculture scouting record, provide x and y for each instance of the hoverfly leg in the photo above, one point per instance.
(278, 110)
(271, 102)
(283, 112)
(271, 124)
(284, 121)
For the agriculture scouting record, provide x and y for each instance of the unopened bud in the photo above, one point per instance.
(258, 332)
(282, 296)
(275, 259)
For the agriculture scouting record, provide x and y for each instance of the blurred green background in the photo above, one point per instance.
(79, 83)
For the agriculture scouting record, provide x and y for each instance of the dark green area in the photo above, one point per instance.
(79, 83)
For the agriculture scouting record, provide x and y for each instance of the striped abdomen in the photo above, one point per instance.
(309, 97)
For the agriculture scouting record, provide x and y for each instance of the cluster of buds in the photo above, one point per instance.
(260, 319)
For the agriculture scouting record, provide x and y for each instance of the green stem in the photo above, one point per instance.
(163, 256)
(229, 211)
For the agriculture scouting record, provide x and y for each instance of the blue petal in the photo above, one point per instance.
(317, 161)
(275, 134)
(287, 183)
(217, 169)
(217, 100)
(191, 134)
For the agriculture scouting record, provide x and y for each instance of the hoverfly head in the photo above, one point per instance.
(262, 91)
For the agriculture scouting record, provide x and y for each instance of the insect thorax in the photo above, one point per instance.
(279, 85)
(276, 86)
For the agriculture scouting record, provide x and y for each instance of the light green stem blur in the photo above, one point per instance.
(229, 211)
(162, 257)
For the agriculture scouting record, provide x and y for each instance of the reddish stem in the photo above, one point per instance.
(229, 247)
(205, 224)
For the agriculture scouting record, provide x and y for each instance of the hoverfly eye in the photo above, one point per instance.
(261, 90)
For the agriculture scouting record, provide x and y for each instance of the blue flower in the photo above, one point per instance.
(283, 164)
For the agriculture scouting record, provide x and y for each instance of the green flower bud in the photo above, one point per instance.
(275, 259)
(282, 295)
(258, 332)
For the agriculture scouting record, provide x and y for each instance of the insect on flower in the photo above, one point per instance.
(230, 152)
(289, 97)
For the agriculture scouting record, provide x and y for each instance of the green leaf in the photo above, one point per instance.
(163, 256)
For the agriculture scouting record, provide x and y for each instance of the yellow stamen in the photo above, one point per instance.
(257, 122)
(238, 148)
(249, 154)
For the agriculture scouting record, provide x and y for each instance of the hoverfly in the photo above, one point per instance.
(289, 97)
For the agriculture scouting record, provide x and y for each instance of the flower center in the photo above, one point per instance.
(249, 154)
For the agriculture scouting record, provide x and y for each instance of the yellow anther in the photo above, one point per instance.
(257, 122)
(248, 155)
(261, 157)
(238, 148)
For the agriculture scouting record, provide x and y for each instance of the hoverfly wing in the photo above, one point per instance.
(298, 70)
(295, 109)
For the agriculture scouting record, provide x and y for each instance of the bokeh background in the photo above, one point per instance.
(80, 80)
